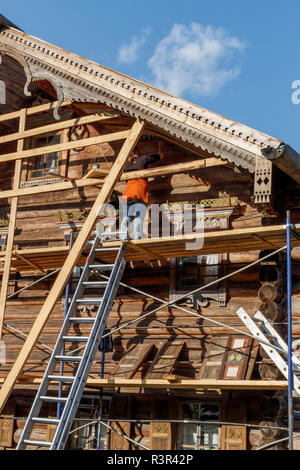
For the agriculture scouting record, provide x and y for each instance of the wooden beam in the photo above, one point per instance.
(12, 223)
(74, 254)
(143, 251)
(163, 170)
(54, 127)
(187, 384)
(35, 109)
(49, 188)
(66, 146)
(183, 384)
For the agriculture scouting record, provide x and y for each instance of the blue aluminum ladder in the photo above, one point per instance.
(84, 361)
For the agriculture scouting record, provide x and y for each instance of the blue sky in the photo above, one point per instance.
(238, 59)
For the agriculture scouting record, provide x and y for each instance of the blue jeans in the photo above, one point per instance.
(137, 212)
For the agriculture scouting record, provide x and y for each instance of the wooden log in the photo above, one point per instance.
(272, 311)
(268, 371)
(269, 293)
(272, 434)
(255, 438)
(270, 274)
(274, 408)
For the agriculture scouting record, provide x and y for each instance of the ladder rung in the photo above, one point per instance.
(82, 319)
(69, 358)
(89, 301)
(103, 267)
(95, 283)
(46, 420)
(76, 338)
(37, 443)
(54, 399)
(108, 249)
(61, 378)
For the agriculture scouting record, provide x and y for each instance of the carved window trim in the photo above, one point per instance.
(204, 273)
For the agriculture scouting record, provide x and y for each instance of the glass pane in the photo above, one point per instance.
(41, 142)
(53, 139)
(209, 412)
(39, 162)
(36, 174)
(209, 436)
(189, 435)
(51, 160)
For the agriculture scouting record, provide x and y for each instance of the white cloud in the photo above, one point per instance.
(128, 53)
(195, 58)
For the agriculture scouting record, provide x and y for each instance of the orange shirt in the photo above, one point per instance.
(137, 189)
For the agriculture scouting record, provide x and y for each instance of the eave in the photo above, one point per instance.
(80, 80)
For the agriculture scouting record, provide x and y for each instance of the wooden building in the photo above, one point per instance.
(183, 376)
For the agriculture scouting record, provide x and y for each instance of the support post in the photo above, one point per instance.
(289, 318)
(70, 261)
(12, 223)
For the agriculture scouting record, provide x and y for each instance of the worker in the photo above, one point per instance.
(136, 194)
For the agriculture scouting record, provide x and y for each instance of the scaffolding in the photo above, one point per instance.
(250, 239)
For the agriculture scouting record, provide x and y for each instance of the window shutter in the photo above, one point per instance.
(120, 407)
(7, 425)
(236, 358)
(160, 433)
(234, 437)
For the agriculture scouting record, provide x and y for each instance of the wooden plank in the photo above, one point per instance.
(71, 260)
(12, 223)
(143, 251)
(189, 384)
(236, 357)
(35, 109)
(57, 126)
(132, 360)
(47, 188)
(163, 170)
(252, 360)
(66, 146)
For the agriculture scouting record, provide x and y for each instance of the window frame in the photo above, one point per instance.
(30, 163)
(181, 427)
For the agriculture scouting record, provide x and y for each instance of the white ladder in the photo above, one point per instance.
(272, 343)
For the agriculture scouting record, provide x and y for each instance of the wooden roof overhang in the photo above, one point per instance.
(80, 80)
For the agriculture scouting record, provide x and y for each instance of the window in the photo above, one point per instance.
(199, 436)
(190, 273)
(40, 166)
(88, 434)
